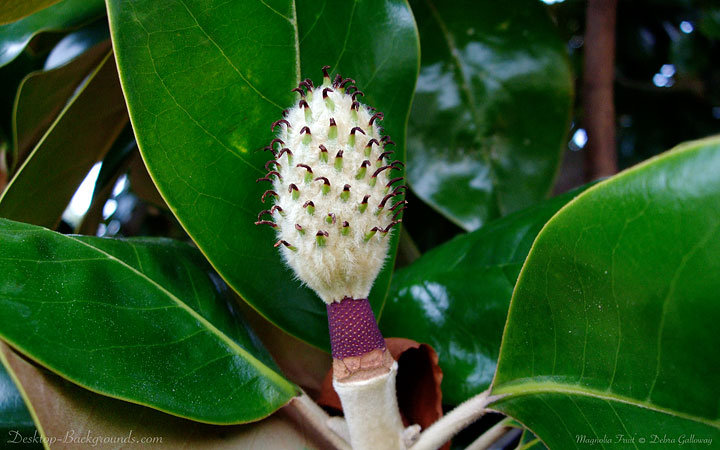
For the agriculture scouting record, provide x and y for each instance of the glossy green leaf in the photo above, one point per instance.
(491, 110)
(456, 297)
(79, 137)
(15, 419)
(13, 10)
(42, 96)
(143, 320)
(613, 326)
(65, 14)
(204, 80)
(63, 408)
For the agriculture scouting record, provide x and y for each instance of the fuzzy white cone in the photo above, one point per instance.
(336, 198)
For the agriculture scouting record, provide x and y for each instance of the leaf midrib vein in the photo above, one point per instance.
(182, 108)
(296, 35)
(224, 55)
(210, 327)
(347, 36)
(670, 294)
(533, 388)
(257, 364)
(465, 87)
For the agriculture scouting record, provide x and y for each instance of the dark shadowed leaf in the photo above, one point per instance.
(13, 10)
(61, 16)
(79, 137)
(43, 95)
(612, 329)
(15, 419)
(300, 362)
(143, 320)
(3, 160)
(142, 185)
(529, 441)
(116, 159)
(204, 80)
(114, 165)
(491, 110)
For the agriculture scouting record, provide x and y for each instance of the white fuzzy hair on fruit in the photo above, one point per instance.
(335, 193)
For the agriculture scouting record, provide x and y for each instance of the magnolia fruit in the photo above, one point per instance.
(333, 189)
(336, 199)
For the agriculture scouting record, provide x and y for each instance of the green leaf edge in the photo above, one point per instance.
(396, 236)
(14, 151)
(79, 90)
(291, 389)
(21, 389)
(518, 388)
(530, 444)
(530, 388)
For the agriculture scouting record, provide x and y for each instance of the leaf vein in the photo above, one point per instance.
(224, 55)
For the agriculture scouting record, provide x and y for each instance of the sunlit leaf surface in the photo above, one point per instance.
(612, 328)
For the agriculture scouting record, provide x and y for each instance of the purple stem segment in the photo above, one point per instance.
(353, 330)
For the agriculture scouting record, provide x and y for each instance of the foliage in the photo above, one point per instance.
(614, 315)
(491, 108)
(586, 313)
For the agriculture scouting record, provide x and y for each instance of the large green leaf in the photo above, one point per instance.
(65, 409)
(15, 419)
(65, 14)
(43, 94)
(79, 137)
(143, 320)
(613, 327)
(491, 110)
(456, 297)
(204, 79)
(13, 10)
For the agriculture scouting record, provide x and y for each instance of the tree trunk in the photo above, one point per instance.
(599, 109)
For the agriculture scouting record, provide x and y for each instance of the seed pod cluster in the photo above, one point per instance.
(336, 192)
